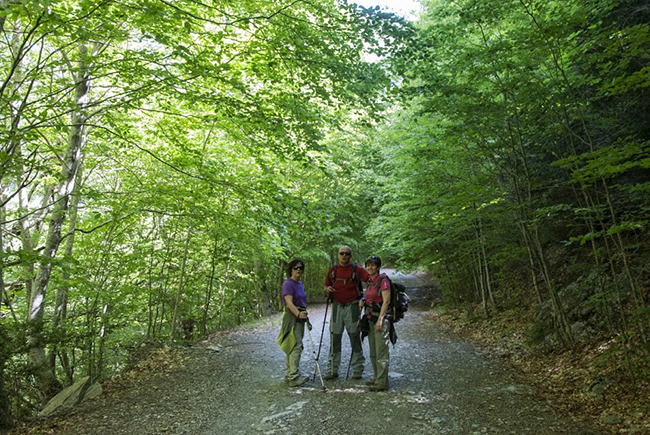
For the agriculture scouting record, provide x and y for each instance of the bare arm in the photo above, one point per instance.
(294, 310)
(385, 298)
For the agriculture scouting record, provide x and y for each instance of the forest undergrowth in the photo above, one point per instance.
(586, 381)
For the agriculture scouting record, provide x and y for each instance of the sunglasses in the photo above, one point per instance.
(298, 268)
(345, 254)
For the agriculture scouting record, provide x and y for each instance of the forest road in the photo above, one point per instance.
(439, 384)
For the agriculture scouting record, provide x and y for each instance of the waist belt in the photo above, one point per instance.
(301, 308)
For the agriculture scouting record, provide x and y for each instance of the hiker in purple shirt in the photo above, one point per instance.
(294, 318)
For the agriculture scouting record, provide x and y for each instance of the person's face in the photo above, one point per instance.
(372, 268)
(345, 256)
(296, 271)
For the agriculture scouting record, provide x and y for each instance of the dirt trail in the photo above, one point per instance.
(439, 385)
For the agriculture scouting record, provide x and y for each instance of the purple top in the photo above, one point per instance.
(295, 289)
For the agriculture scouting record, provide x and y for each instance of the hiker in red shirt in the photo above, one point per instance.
(376, 308)
(343, 285)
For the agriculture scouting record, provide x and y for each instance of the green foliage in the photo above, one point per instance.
(518, 161)
(216, 142)
(219, 141)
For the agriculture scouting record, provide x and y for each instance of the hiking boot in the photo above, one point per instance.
(330, 376)
(375, 387)
(357, 376)
(298, 382)
(370, 382)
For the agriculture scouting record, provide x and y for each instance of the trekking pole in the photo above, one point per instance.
(322, 332)
(356, 338)
(313, 352)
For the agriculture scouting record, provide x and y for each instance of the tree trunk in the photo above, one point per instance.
(224, 286)
(481, 281)
(562, 326)
(102, 341)
(475, 278)
(484, 299)
(165, 279)
(266, 308)
(61, 310)
(45, 378)
(531, 261)
(488, 279)
(6, 420)
(208, 294)
(13, 150)
(150, 316)
(281, 277)
(637, 294)
(179, 293)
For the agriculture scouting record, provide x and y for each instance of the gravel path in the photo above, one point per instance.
(439, 385)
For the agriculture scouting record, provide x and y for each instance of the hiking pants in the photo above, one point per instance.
(345, 317)
(379, 352)
(293, 357)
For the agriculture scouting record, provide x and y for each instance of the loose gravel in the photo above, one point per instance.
(232, 383)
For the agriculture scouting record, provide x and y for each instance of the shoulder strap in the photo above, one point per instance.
(357, 280)
(334, 273)
(381, 277)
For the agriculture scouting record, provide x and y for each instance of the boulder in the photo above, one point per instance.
(95, 390)
(67, 398)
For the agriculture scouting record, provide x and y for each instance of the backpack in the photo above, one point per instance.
(399, 300)
(355, 278)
